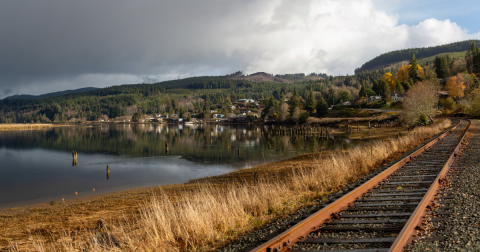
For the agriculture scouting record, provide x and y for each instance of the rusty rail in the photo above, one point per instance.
(406, 235)
(288, 238)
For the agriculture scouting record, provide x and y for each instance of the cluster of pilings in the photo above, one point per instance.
(300, 130)
(349, 129)
(74, 155)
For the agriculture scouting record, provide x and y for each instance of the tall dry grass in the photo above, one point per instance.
(215, 214)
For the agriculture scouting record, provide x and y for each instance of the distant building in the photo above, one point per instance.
(218, 116)
(175, 120)
(245, 100)
(442, 94)
(346, 103)
(396, 97)
(374, 98)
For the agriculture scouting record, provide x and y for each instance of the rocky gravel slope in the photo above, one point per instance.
(461, 232)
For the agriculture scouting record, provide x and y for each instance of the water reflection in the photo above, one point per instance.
(36, 164)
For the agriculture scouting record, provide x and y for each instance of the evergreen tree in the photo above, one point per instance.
(322, 107)
(362, 92)
(476, 59)
(310, 103)
(469, 58)
(451, 65)
(206, 105)
(233, 97)
(294, 103)
(269, 107)
(385, 91)
(282, 98)
(399, 88)
(413, 70)
(376, 87)
(441, 67)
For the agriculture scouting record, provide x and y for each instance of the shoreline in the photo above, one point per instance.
(84, 212)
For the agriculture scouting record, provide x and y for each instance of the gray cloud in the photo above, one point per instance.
(7, 91)
(55, 45)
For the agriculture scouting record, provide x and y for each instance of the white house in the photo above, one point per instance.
(396, 97)
(374, 98)
(245, 100)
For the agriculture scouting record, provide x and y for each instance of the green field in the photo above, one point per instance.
(429, 60)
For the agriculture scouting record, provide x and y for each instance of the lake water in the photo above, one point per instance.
(37, 166)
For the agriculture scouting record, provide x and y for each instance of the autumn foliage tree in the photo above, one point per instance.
(388, 78)
(455, 86)
(402, 74)
(420, 103)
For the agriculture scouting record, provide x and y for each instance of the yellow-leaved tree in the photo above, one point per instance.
(402, 74)
(388, 78)
(455, 86)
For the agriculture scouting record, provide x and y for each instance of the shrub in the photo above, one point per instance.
(303, 118)
(424, 119)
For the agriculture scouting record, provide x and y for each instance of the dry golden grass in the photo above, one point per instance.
(334, 120)
(205, 213)
(19, 126)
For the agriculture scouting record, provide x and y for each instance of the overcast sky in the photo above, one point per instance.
(54, 45)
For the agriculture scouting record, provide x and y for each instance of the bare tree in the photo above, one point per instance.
(420, 103)
(296, 114)
(284, 112)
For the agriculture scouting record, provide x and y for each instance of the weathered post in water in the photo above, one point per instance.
(74, 155)
(108, 172)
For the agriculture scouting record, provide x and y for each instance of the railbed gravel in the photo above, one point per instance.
(254, 238)
(462, 230)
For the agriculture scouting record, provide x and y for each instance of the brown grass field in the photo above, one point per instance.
(203, 214)
(28, 126)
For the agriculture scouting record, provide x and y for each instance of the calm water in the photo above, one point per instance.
(37, 166)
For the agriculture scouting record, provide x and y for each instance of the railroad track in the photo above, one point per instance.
(384, 213)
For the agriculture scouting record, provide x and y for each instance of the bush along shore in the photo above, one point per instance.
(201, 215)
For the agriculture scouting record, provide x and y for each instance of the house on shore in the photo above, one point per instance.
(396, 97)
(245, 100)
(374, 98)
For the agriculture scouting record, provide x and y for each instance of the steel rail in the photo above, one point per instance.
(288, 238)
(406, 234)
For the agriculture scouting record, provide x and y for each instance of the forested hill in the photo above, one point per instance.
(387, 59)
(36, 97)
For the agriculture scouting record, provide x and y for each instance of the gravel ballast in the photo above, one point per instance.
(461, 231)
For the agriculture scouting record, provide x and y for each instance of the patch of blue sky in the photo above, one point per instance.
(463, 13)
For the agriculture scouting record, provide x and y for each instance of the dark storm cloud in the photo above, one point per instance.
(53, 45)
(46, 40)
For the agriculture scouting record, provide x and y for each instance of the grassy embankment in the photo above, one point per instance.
(205, 213)
(33, 126)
